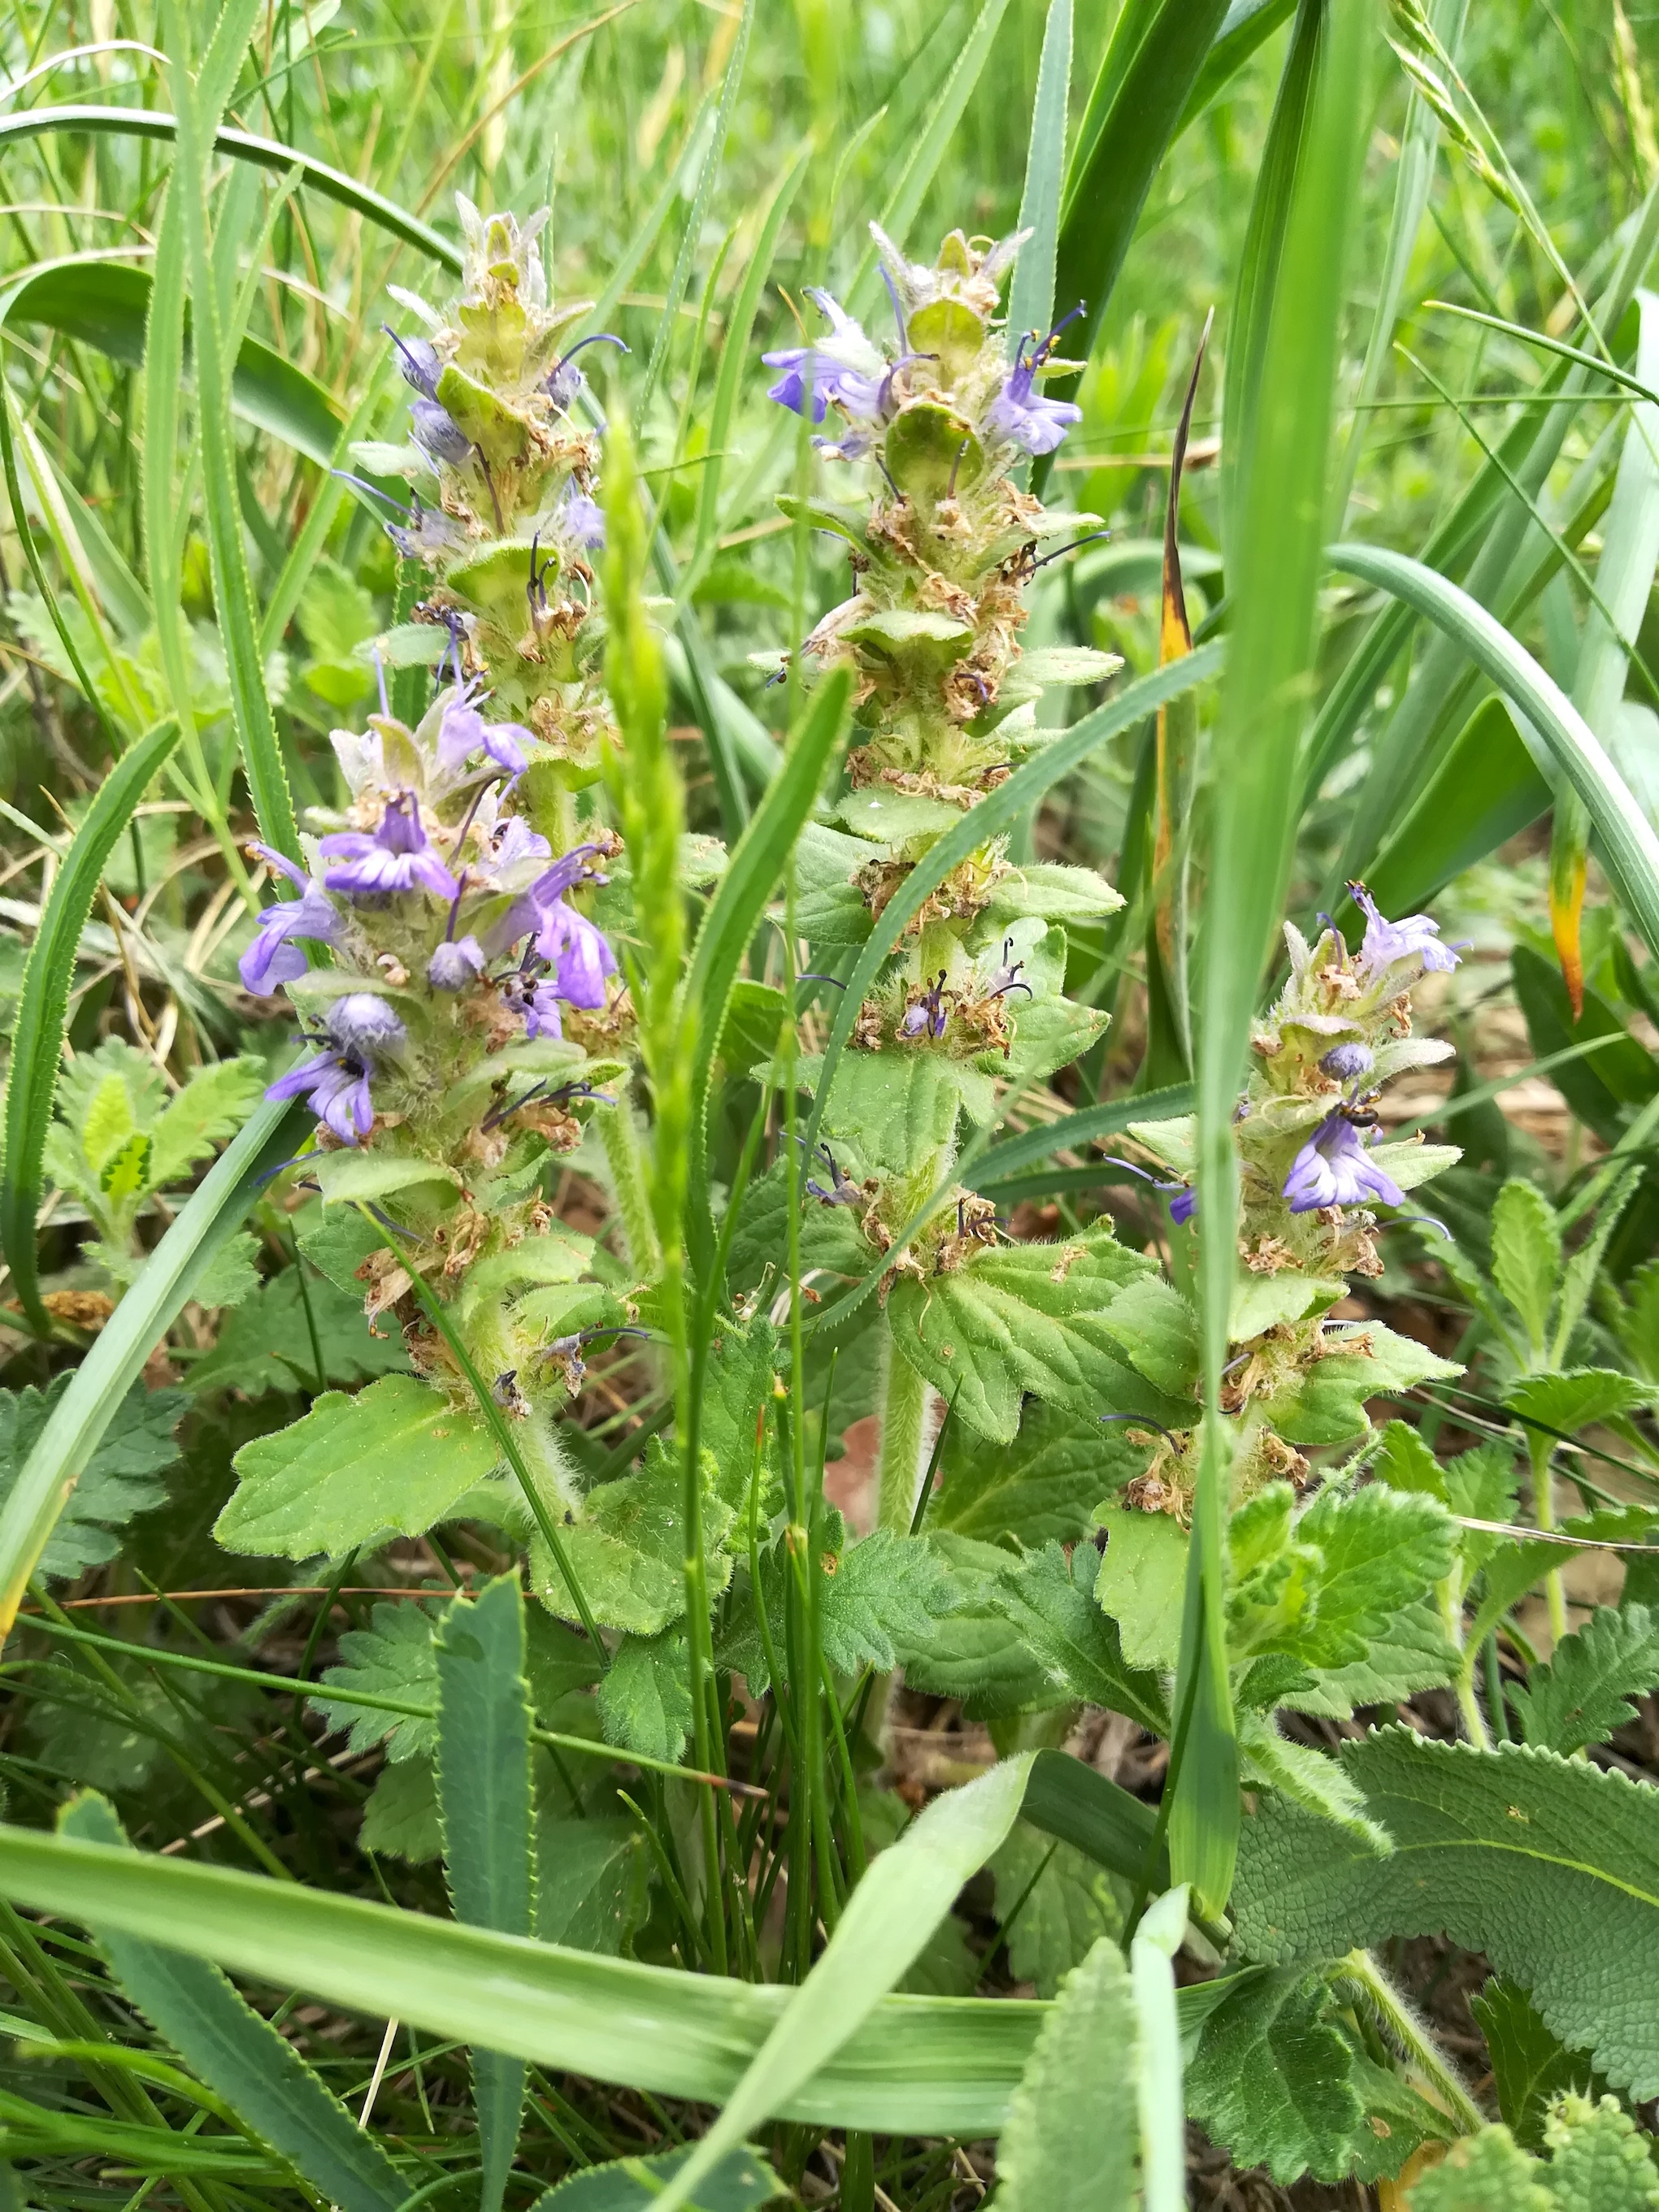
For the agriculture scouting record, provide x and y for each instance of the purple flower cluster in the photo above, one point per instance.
(360, 1030)
(463, 732)
(1023, 416)
(1333, 1168)
(396, 857)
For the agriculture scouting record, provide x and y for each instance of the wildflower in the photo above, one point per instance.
(394, 858)
(1006, 977)
(1023, 418)
(454, 964)
(515, 841)
(537, 999)
(418, 359)
(463, 729)
(363, 1023)
(1416, 937)
(576, 951)
(580, 521)
(1333, 1168)
(846, 368)
(1347, 1062)
(927, 1014)
(564, 384)
(1183, 1206)
(427, 534)
(274, 957)
(438, 434)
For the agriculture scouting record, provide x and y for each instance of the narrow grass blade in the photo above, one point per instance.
(691, 237)
(1158, 2076)
(1014, 1154)
(213, 1213)
(1246, 25)
(734, 914)
(1628, 841)
(1624, 580)
(1275, 557)
(32, 555)
(256, 728)
(489, 1822)
(239, 2056)
(904, 204)
(241, 146)
(37, 1043)
(989, 819)
(919, 2065)
(1031, 294)
(888, 1918)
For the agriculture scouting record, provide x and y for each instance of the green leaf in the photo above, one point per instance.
(483, 1798)
(37, 1041)
(1529, 2067)
(348, 1178)
(1629, 843)
(210, 1110)
(1526, 1256)
(628, 1551)
(645, 1695)
(1550, 1866)
(240, 2055)
(974, 1651)
(100, 1382)
(396, 1457)
(266, 1344)
(1326, 1403)
(1044, 1486)
(120, 1479)
(1074, 2113)
(591, 1886)
(401, 1816)
(1307, 1778)
(741, 2181)
(1065, 1904)
(1381, 1551)
(1140, 1583)
(1485, 2173)
(1152, 1324)
(1015, 1318)
(392, 1657)
(1271, 2078)
(1580, 1398)
(1051, 1600)
(1598, 2161)
(1413, 1653)
(1583, 1692)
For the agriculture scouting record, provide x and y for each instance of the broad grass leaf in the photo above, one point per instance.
(739, 2182)
(396, 1457)
(485, 1802)
(1074, 2113)
(122, 1477)
(1549, 1866)
(241, 2056)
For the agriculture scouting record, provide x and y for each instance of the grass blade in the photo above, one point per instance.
(43, 1003)
(1158, 2076)
(887, 1920)
(233, 594)
(1246, 25)
(212, 1215)
(488, 1823)
(1014, 1154)
(1628, 840)
(1275, 555)
(239, 2056)
(1031, 294)
(988, 819)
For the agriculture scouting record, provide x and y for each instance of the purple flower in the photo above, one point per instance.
(929, 1016)
(363, 1023)
(537, 999)
(454, 964)
(428, 532)
(418, 359)
(515, 841)
(395, 858)
(1023, 416)
(1333, 1168)
(1183, 1206)
(580, 521)
(576, 951)
(336, 1086)
(1347, 1062)
(438, 432)
(463, 729)
(1415, 937)
(845, 366)
(273, 958)
(564, 383)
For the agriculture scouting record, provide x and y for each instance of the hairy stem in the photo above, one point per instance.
(1540, 1450)
(1401, 2026)
(619, 1132)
